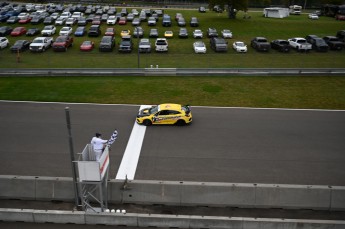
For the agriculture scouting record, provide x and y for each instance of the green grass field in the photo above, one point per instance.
(181, 53)
(286, 92)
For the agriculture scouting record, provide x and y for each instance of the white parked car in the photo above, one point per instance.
(313, 16)
(48, 30)
(226, 33)
(60, 21)
(71, 21)
(199, 47)
(112, 19)
(66, 15)
(23, 15)
(239, 46)
(4, 42)
(55, 15)
(65, 31)
(198, 33)
(77, 15)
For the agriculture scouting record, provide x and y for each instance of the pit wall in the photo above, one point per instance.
(182, 193)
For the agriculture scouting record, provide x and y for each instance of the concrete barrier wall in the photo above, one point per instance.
(183, 193)
(157, 220)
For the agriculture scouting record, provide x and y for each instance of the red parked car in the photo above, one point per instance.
(122, 21)
(18, 31)
(24, 20)
(109, 32)
(87, 46)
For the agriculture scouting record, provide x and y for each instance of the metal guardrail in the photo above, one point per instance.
(156, 71)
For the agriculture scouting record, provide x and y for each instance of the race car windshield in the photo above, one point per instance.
(153, 110)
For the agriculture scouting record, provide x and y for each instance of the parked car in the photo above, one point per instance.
(169, 34)
(153, 33)
(5, 30)
(41, 44)
(20, 46)
(130, 17)
(94, 31)
(151, 21)
(71, 21)
(12, 20)
(161, 45)
(66, 31)
(197, 33)
(18, 31)
(202, 9)
(107, 44)
(82, 21)
(60, 21)
(33, 32)
(300, 44)
(313, 16)
(80, 31)
(24, 20)
(87, 46)
(96, 20)
(125, 32)
(318, 44)
(226, 33)
(334, 43)
(239, 46)
(109, 31)
(194, 22)
(48, 21)
(122, 21)
(183, 33)
(111, 20)
(144, 45)
(181, 21)
(4, 42)
(219, 44)
(260, 44)
(48, 30)
(136, 22)
(138, 32)
(37, 20)
(281, 45)
(126, 44)
(341, 35)
(212, 32)
(166, 21)
(62, 43)
(199, 47)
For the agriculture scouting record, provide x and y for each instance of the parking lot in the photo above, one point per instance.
(180, 49)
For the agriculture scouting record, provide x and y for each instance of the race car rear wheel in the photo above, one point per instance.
(147, 122)
(180, 122)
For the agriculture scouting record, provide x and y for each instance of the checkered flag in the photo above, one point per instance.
(112, 138)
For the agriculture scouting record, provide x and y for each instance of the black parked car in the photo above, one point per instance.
(194, 22)
(48, 21)
(37, 20)
(33, 31)
(5, 30)
(20, 46)
(107, 44)
(94, 31)
(281, 45)
(334, 43)
(4, 18)
(260, 44)
(317, 43)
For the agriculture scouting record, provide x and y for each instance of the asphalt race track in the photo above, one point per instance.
(240, 145)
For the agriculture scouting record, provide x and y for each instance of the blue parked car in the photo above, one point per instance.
(80, 31)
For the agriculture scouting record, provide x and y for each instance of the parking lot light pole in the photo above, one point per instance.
(138, 47)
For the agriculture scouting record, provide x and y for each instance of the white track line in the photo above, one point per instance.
(130, 158)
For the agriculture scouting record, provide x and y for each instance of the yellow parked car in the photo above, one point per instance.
(125, 32)
(168, 34)
(167, 113)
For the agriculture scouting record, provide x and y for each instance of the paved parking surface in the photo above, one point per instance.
(222, 145)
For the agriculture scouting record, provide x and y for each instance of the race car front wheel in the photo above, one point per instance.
(147, 122)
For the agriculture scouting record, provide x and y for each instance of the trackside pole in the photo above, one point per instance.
(74, 174)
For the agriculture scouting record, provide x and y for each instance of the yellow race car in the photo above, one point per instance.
(167, 113)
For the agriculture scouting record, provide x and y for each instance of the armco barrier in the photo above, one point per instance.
(156, 71)
(158, 220)
(183, 193)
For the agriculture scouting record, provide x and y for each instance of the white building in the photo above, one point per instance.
(276, 12)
